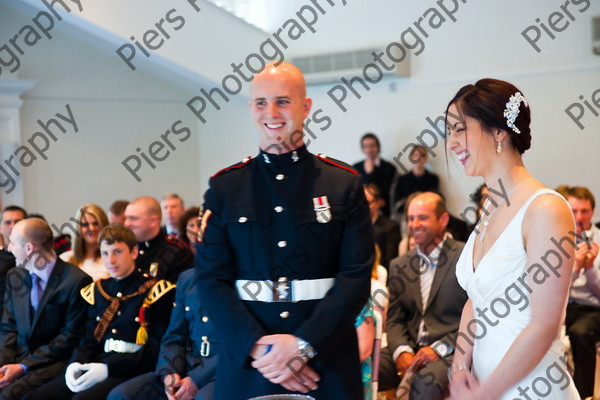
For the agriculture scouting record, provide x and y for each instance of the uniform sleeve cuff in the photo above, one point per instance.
(402, 349)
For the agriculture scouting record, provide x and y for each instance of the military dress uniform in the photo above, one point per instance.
(189, 348)
(286, 247)
(126, 321)
(164, 257)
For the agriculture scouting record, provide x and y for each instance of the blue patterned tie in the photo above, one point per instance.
(36, 291)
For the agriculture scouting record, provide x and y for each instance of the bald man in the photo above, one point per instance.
(44, 315)
(284, 257)
(160, 255)
(426, 302)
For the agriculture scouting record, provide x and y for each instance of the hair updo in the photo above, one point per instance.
(486, 101)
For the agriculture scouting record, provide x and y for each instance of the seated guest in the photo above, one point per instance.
(187, 360)
(44, 315)
(127, 316)
(162, 256)
(418, 179)
(376, 170)
(172, 209)
(116, 212)
(9, 217)
(62, 242)
(478, 197)
(408, 241)
(583, 310)
(386, 231)
(365, 333)
(188, 226)
(425, 304)
(86, 252)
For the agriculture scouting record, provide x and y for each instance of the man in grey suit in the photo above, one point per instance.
(426, 302)
(44, 314)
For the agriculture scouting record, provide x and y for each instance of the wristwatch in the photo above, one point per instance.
(306, 350)
(442, 349)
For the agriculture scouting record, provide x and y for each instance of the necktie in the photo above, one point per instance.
(36, 291)
(425, 278)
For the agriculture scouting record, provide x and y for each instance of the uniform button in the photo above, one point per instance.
(141, 252)
(174, 304)
(187, 308)
(241, 220)
(282, 243)
(279, 177)
(119, 313)
(136, 319)
(114, 331)
(284, 314)
(98, 318)
(278, 209)
(205, 319)
(119, 294)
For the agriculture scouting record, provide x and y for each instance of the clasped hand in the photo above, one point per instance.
(464, 386)
(80, 377)
(283, 364)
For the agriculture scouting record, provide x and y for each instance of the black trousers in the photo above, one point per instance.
(57, 389)
(583, 328)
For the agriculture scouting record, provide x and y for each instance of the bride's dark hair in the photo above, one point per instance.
(486, 100)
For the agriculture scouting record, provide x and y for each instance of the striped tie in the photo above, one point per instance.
(425, 278)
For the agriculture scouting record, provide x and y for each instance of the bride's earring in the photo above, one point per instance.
(499, 147)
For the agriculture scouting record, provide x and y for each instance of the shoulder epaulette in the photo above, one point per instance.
(88, 293)
(158, 290)
(242, 163)
(324, 158)
(173, 240)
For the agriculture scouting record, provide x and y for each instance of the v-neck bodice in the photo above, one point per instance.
(500, 290)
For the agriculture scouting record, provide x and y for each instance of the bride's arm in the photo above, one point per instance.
(460, 379)
(548, 217)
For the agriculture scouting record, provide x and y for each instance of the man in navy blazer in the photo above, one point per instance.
(44, 314)
(187, 362)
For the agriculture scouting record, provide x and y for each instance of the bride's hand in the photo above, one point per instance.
(464, 386)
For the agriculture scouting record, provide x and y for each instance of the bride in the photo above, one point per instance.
(516, 265)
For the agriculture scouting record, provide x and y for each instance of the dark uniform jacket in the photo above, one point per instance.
(125, 324)
(164, 257)
(260, 223)
(57, 325)
(7, 262)
(191, 342)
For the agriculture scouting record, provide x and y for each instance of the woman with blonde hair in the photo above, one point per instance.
(86, 252)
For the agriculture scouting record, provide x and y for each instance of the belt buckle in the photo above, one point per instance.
(282, 291)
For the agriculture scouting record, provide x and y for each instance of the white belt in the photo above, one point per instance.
(120, 346)
(283, 290)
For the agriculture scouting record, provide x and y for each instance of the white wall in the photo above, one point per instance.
(119, 109)
(115, 110)
(485, 41)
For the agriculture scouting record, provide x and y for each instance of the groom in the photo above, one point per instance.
(426, 302)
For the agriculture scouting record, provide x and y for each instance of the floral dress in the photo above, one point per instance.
(366, 366)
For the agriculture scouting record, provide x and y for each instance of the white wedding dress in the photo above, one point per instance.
(494, 286)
